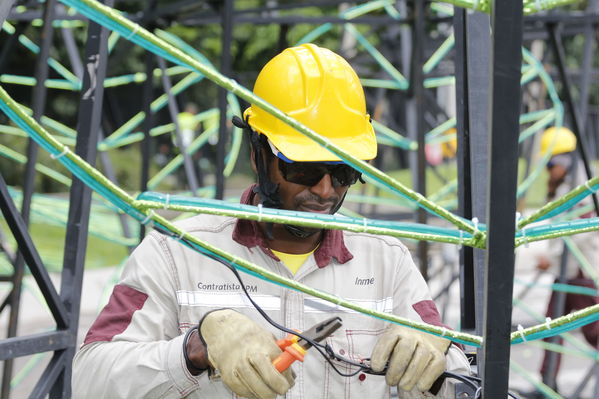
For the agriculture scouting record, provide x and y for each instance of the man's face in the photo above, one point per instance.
(322, 197)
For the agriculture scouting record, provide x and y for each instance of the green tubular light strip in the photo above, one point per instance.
(22, 159)
(233, 153)
(563, 203)
(448, 188)
(156, 106)
(438, 55)
(381, 83)
(29, 81)
(556, 326)
(548, 392)
(366, 199)
(535, 115)
(359, 10)
(383, 62)
(535, 127)
(558, 113)
(448, 124)
(413, 231)
(177, 161)
(582, 260)
(568, 337)
(556, 230)
(155, 131)
(396, 138)
(34, 48)
(233, 109)
(112, 20)
(572, 289)
(139, 77)
(95, 180)
(431, 83)
(532, 6)
(594, 355)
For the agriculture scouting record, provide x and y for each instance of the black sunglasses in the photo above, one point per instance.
(310, 173)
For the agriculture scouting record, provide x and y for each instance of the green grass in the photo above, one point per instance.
(50, 241)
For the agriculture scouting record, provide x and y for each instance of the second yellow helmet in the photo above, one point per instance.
(559, 140)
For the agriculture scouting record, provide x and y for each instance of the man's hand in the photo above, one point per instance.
(243, 353)
(415, 358)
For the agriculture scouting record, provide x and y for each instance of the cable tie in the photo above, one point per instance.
(461, 239)
(443, 331)
(259, 212)
(525, 238)
(521, 331)
(65, 149)
(588, 186)
(133, 32)
(518, 218)
(167, 201)
(475, 223)
(547, 321)
(148, 218)
(180, 238)
(365, 223)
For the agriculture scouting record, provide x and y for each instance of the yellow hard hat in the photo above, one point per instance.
(321, 90)
(562, 139)
(450, 147)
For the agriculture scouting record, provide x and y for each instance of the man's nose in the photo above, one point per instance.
(324, 188)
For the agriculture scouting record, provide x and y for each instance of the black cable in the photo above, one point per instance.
(325, 350)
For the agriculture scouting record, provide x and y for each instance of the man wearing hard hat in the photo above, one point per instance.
(147, 342)
(565, 172)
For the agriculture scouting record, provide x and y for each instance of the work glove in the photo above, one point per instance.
(243, 352)
(414, 358)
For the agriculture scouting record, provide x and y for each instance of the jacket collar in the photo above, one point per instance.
(249, 234)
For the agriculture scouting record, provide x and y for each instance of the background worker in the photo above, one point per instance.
(565, 172)
(147, 341)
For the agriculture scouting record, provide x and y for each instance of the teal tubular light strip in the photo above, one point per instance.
(99, 183)
(112, 20)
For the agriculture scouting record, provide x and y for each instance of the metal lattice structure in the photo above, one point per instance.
(487, 70)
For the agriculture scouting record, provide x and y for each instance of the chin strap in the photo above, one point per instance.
(266, 189)
(269, 191)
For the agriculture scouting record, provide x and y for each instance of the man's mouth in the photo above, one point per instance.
(315, 208)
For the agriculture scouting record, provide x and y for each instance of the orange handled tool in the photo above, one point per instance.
(294, 348)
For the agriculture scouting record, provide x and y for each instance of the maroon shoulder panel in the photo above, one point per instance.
(116, 315)
(427, 310)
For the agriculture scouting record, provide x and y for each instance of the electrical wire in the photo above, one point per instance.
(325, 350)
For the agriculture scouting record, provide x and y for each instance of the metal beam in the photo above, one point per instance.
(225, 68)
(50, 375)
(13, 347)
(38, 106)
(504, 106)
(88, 126)
(419, 124)
(467, 296)
(30, 255)
(5, 7)
(560, 58)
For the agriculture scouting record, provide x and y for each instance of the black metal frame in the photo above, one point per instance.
(475, 119)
